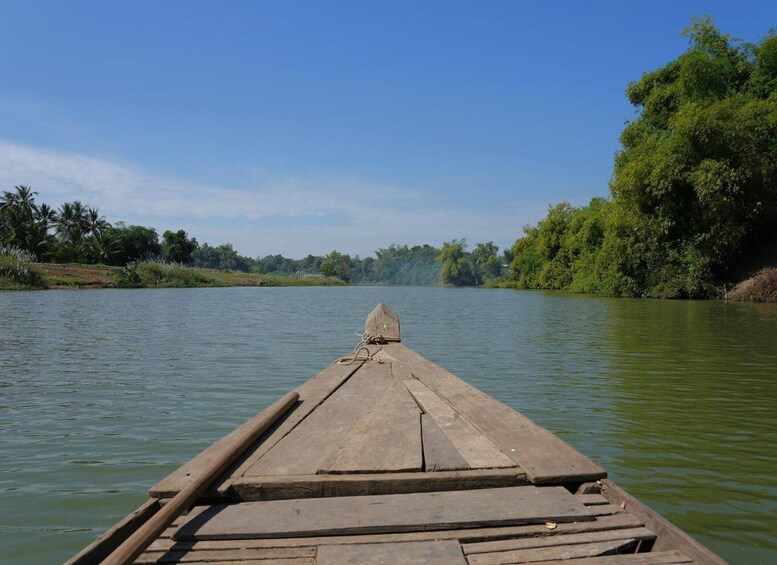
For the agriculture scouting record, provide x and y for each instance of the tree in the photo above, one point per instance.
(456, 267)
(486, 259)
(698, 165)
(177, 247)
(337, 265)
(133, 243)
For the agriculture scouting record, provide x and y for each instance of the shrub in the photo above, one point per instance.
(18, 270)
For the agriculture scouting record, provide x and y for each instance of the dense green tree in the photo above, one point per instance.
(24, 224)
(457, 269)
(220, 257)
(694, 188)
(133, 243)
(177, 247)
(486, 260)
(338, 265)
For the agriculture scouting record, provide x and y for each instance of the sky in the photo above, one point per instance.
(301, 127)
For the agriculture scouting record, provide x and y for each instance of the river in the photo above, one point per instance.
(104, 392)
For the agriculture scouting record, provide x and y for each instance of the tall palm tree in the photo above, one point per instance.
(94, 222)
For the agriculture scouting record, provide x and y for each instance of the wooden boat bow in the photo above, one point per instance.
(391, 459)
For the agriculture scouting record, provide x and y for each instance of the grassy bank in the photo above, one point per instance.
(15, 274)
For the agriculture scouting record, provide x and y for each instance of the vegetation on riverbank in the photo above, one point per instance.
(147, 274)
(691, 212)
(694, 189)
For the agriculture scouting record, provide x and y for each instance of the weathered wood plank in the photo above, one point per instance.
(562, 552)
(407, 553)
(249, 489)
(312, 393)
(385, 513)
(309, 445)
(439, 452)
(281, 561)
(224, 554)
(640, 533)
(669, 536)
(384, 322)
(476, 448)
(545, 458)
(103, 546)
(653, 558)
(592, 499)
(471, 536)
(386, 439)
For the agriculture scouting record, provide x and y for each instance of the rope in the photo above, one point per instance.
(357, 356)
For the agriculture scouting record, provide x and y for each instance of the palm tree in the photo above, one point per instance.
(94, 222)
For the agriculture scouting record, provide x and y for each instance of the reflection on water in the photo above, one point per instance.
(102, 393)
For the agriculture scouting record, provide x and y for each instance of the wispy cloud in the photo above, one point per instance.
(273, 214)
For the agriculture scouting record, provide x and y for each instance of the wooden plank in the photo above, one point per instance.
(439, 452)
(386, 439)
(103, 546)
(669, 536)
(641, 533)
(408, 553)
(545, 458)
(653, 558)
(592, 499)
(385, 513)
(476, 448)
(471, 536)
(141, 538)
(251, 489)
(224, 554)
(281, 561)
(312, 393)
(558, 552)
(383, 322)
(309, 445)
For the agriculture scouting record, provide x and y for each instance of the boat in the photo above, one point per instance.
(386, 457)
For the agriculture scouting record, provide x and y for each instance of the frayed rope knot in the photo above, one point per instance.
(361, 352)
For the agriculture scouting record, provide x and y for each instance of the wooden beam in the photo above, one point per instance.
(445, 552)
(384, 513)
(640, 533)
(652, 558)
(471, 536)
(273, 487)
(135, 544)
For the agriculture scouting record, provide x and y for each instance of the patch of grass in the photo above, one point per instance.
(18, 270)
(152, 274)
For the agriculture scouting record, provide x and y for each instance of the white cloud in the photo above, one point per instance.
(275, 214)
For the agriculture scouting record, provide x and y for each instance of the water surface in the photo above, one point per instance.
(103, 392)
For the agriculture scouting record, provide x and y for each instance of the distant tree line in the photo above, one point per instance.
(78, 233)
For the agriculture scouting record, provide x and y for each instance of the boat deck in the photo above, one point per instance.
(386, 457)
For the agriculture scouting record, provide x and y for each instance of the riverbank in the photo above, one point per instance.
(154, 275)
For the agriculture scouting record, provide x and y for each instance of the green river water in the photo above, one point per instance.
(103, 392)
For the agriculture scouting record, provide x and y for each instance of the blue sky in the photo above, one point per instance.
(300, 127)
